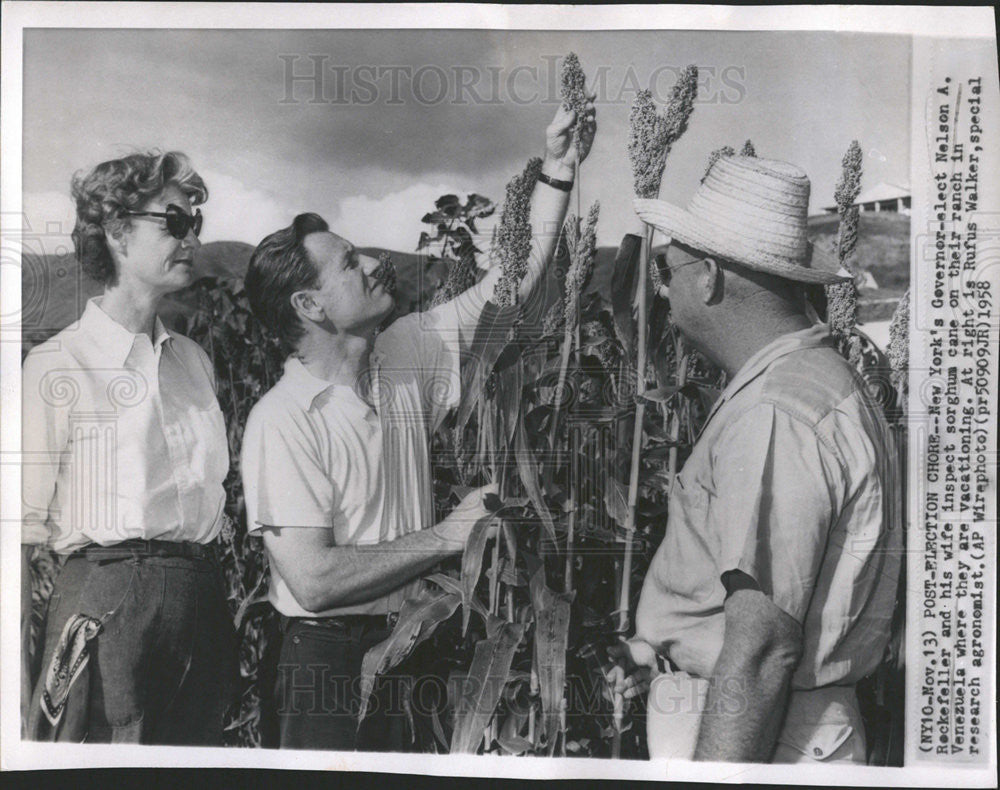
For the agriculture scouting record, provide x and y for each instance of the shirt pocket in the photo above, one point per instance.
(818, 726)
(817, 741)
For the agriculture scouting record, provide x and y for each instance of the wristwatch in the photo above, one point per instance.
(555, 183)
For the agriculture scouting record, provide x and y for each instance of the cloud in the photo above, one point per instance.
(46, 222)
(236, 212)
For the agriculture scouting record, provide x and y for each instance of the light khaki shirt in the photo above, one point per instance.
(793, 482)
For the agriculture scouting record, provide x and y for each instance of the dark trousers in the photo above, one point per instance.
(316, 679)
(163, 669)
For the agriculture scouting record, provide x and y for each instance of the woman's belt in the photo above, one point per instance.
(136, 547)
(342, 621)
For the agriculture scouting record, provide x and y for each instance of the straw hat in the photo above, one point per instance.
(752, 212)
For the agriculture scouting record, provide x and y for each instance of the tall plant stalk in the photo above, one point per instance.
(651, 138)
(582, 247)
(581, 243)
(574, 470)
(625, 593)
(677, 419)
(574, 97)
(640, 413)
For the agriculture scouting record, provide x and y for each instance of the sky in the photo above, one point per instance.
(397, 118)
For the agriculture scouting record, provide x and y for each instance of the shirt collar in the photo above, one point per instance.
(112, 338)
(815, 336)
(303, 385)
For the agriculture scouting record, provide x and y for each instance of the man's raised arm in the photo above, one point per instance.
(548, 211)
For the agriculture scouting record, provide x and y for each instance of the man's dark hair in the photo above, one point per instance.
(279, 267)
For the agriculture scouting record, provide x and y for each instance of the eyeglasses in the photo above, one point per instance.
(179, 222)
(665, 270)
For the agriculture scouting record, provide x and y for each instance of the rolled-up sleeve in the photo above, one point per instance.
(776, 487)
(285, 481)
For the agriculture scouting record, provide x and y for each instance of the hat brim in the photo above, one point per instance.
(817, 266)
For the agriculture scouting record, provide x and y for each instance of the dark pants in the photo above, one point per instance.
(163, 668)
(317, 681)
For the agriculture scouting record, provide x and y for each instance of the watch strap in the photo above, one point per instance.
(555, 183)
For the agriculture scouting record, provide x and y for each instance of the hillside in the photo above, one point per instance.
(55, 291)
(883, 246)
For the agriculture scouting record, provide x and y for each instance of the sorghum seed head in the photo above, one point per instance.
(461, 277)
(715, 156)
(512, 242)
(842, 308)
(553, 321)
(898, 350)
(646, 144)
(651, 136)
(574, 92)
(846, 192)
(582, 244)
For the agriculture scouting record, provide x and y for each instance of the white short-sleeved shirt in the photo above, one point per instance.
(122, 437)
(316, 455)
(792, 482)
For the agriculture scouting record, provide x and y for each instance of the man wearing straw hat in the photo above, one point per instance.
(772, 592)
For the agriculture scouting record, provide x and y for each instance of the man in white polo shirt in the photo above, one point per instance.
(336, 456)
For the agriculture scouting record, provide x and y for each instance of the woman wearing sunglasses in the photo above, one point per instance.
(125, 456)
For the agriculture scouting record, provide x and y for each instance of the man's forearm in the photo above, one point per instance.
(548, 211)
(743, 713)
(749, 686)
(323, 577)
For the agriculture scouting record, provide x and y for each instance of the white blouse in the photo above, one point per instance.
(122, 437)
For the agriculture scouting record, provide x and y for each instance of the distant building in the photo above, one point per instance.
(881, 197)
(865, 279)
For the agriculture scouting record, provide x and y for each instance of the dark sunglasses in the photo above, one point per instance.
(179, 222)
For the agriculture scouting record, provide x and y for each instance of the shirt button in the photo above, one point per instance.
(818, 752)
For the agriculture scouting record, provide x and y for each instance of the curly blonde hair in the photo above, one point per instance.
(106, 193)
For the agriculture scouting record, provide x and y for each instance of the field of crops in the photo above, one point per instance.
(581, 406)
